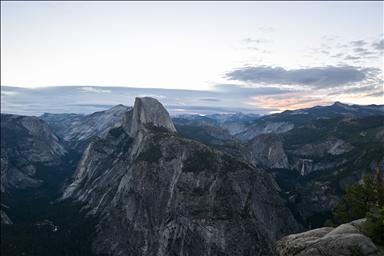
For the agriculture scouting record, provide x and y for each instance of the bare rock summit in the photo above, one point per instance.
(147, 111)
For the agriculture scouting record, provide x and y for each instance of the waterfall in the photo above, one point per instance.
(302, 168)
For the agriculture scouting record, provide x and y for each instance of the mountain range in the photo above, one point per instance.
(137, 181)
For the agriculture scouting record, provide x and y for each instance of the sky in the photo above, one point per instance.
(193, 56)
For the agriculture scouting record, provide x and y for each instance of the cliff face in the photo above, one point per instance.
(264, 150)
(78, 129)
(26, 141)
(158, 194)
(147, 111)
(267, 150)
(267, 127)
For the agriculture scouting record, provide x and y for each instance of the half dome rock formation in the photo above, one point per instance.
(147, 111)
(156, 193)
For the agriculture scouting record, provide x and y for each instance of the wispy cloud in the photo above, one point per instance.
(92, 89)
(256, 40)
(69, 99)
(317, 76)
(378, 45)
(222, 98)
(330, 37)
(358, 43)
(210, 99)
(6, 93)
(290, 101)
(357, 52)
(268, 29)
(156, 96)
(349, 57)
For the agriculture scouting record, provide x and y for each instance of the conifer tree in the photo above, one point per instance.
(360, 199)
(363, 201)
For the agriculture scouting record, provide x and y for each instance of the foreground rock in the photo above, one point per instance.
(343, 240)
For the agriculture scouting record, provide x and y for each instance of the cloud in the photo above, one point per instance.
(363, 51)
(6, 93)
(91, 89)
(339, 55)
(349, 57)
(329, 38)
(210, 99)
(290, 101)
(156, 96)
(376, 94)
(221, 98)
(358, 43)
(238, 91)
(71, 99)
(268, 29)
(206, 110)
(379, 45)
(258, 40)
(315, 76)
(359, 50)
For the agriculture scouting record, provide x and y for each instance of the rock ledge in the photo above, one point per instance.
(327, 241)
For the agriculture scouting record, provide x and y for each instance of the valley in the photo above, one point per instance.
(137, 181)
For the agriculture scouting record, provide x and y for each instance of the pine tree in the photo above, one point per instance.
(360, 199)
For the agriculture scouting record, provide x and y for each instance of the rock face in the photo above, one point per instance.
(4, 219)
(331, 146)
(26, 141)
(267, 150)
(157, 193)
(216, 119)
(147, 111)
(326, 241)
(78, 129)
(205, 132)
(247, 132)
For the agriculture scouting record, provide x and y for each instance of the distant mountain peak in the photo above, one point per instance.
(338, 103)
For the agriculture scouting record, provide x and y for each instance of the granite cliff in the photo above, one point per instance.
(26, 142)
(157, 193)
(346, 239)
(78, 129)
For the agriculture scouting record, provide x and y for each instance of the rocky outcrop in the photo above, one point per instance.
(343, 240)
(267, 150)
(331, 146)
(78, 129)
(4, 219)
(259, 128)
(12, 177)
(235, 127)
(157, 193)
(26, 141)
(205, 132)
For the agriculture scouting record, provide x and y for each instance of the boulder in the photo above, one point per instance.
(346, 239)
